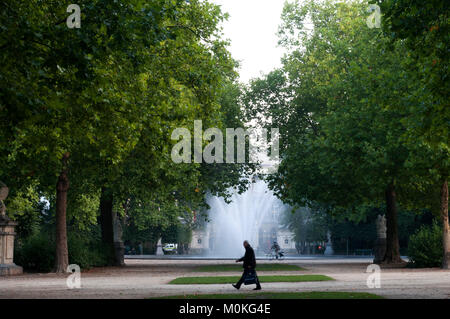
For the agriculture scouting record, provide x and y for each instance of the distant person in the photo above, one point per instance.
(249, 267)
(275, 247)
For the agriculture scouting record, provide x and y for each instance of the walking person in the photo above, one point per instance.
(249, 267)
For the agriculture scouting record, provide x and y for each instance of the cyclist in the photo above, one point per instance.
(275, 247)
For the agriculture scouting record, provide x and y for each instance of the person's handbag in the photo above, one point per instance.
(250, 278)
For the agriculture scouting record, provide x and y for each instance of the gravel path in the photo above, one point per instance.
(149, 278)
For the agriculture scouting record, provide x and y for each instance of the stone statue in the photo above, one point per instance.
(380, 243)
(7, 234)
(159, 251)
(4, 191)
(328, 247)
(381, 226)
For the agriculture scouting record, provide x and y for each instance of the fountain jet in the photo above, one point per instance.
(232, 223)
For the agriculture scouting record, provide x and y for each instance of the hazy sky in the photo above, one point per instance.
(252, 28)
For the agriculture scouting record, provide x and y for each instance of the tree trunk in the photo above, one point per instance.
(62, 186)
(445, 225)
(107, 226)
(106, 218)
(106, 223)
(392, 255)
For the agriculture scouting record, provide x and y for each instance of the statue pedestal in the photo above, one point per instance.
(11, 269)
(328, 250)
(379, 250)
(7, 234)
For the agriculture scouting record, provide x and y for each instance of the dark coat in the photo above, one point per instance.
(249, 258)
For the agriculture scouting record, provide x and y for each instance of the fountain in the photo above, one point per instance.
(242, 219)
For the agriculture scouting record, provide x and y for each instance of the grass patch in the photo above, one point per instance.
(238, 268)
(283, 295)
(234, 279)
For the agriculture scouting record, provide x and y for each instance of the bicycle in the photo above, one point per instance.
(273, 255)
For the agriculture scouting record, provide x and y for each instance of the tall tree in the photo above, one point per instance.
(65, 94)
(342, 144)
(193, 84)
(424, 28)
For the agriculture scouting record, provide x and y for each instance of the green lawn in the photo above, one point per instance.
(283, 295)
(234, 279)
(238, 268)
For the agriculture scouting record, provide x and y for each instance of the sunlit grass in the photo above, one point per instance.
(234, 279)
(238, 268)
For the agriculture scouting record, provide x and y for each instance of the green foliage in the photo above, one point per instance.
(109, 94)
(170, 235)
(25, 207)
(147, 221)
(312, 225)
(86, 250)
(342, 144)
(36, 253)
(184, 235)
(82, 209)
(354, 111)
(178, 233)
(425, 247)
(424, 28)
(356, 114)
(308, 225)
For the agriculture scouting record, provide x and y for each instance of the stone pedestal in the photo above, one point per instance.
(379, 250)
(7, 234)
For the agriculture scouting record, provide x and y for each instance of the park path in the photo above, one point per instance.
(149, 278)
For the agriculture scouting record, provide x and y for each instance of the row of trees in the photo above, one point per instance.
(86, 114)
(314, 224)
(363, 112)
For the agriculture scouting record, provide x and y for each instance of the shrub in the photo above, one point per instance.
(425, 247)
(36, 253)
(86, 251)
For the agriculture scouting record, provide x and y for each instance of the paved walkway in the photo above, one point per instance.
(149, 278)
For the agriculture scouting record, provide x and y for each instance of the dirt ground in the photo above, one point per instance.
(149, 278)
